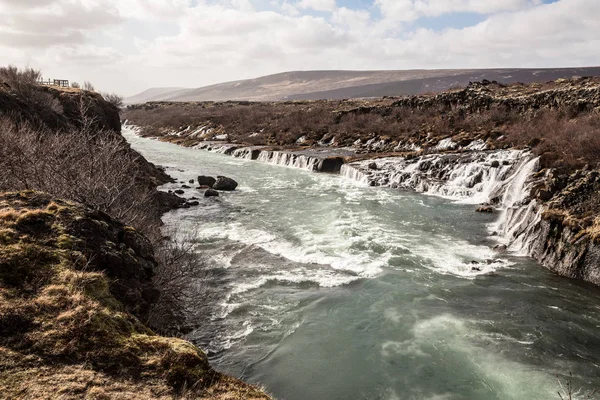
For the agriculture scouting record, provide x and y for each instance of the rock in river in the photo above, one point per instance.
(224, 183)
(211, 193)
(206, 181)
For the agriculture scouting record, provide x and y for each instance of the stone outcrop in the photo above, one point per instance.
(563, 233)
(206, 181)
(224, 183)
(59, 108)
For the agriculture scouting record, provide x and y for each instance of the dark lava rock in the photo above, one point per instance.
(373, 166)
(495, 164)
(179, 191)
(224, 183)
(211, 193)
(485, 209)
(330, 164)
(500, 248)
(206, 181)
(185, 187)
(193, 203)
(191, 181)
(544, 195)
(168, 201)
(476, 269)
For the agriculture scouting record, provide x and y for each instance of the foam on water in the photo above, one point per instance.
(447, 342)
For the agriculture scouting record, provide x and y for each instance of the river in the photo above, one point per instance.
(329, 289)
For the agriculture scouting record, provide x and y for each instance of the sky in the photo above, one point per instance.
(126, 46)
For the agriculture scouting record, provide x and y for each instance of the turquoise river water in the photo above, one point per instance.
(327, 289)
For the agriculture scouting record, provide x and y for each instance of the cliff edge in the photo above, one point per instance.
(74, 286)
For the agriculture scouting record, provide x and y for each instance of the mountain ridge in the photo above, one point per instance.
(340, 84)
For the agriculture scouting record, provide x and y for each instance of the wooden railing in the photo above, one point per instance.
(54, 82)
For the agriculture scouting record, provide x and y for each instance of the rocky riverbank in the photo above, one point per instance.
(492, 150)
(75, 286)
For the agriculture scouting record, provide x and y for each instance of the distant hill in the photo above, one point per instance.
(316, 85)
(153, 93)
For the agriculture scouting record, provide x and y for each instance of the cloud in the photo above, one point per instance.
(52, 22)
(318, 5)
(410, 10)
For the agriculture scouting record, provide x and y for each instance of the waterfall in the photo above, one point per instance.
(520, 214)
(289, 159)
(472, 178)
(352, 173)
(500, 178)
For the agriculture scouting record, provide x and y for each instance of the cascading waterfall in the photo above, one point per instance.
(472, 178)
(520, 214)
(289, 160)
(500, 178)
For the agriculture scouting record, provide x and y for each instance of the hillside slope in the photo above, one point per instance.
(72, 283)
(316, 85)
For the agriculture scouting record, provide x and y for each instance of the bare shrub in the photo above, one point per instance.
(114, 99)
(566, 136)
(75, 85)
(88, 86)
(567, 392)
(16, 77)
(188, 289)
(562, 141)
(91, 167)
(23, 83)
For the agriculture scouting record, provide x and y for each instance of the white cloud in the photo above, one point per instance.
(410, 10)
(318, 5)
(50, 22)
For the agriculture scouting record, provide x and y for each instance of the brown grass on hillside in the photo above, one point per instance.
(63, 335)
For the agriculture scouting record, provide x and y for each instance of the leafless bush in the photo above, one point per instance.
(567, 392)
(75, 85)
(562, 141)
(16, 77)
(88, 86)
(94, 168)
(188, 292)
(564, 136)
(113, 99)
(23, 83)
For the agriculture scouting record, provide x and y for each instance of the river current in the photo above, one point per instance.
(328, 289)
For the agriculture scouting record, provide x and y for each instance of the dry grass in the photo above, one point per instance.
(63, 335)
